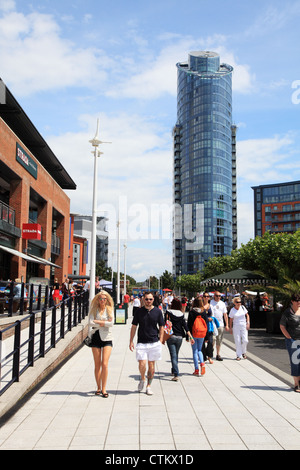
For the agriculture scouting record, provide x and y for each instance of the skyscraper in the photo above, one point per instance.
(204, 162)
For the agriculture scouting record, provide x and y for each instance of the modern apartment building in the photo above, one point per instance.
(277, 208)
(204, 161)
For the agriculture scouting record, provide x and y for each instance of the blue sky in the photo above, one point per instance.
(71, 62)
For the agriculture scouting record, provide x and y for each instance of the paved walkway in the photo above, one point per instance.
(235, 405)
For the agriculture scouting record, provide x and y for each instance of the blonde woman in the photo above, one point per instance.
(239, 326)
(101, 317)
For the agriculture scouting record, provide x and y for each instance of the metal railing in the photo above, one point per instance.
(32, 337)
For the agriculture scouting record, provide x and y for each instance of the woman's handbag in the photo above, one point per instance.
(87, 341)
(168, 331)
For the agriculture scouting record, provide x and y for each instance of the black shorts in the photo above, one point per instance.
(98, 343)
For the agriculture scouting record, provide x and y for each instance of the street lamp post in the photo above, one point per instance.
(125, 247)
(95, 143)
(118, 261)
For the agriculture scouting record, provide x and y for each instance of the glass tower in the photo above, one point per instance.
(203, 163)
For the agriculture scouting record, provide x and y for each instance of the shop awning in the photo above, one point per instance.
(44, 261)
(18, 253)
(31, 258)
(237, 277)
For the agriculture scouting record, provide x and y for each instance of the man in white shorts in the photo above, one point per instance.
(150, 323)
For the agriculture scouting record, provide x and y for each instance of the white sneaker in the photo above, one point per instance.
(141, 385)
(149, 391)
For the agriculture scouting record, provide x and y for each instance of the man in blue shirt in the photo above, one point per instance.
(150, 324)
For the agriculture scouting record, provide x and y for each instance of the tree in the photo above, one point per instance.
(189, 283)
(167, 281)
(102, 271)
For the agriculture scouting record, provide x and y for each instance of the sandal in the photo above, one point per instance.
(238, 358)
(98, 392)
(297, 389)
(104, 395)
(244, 356)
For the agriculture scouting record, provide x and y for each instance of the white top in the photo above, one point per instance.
(104, 331)
(218, 309)
(136, 302)
(238, 316)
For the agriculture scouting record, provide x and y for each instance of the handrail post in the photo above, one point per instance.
(16, 353)
(53, 327)
(31, 339)
(31, 286)
(62, 323)
(11, 299)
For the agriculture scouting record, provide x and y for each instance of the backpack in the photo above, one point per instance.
(199, 327)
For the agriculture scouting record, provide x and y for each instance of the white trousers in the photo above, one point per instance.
(240, 334)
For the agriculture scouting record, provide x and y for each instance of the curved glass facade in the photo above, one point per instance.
(203, 161)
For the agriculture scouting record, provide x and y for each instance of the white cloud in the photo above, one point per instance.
(259, 160)
(7, 5)
(35, 57)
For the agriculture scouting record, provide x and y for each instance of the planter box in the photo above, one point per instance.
(272, 322)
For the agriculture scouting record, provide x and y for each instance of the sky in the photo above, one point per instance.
(72, 62)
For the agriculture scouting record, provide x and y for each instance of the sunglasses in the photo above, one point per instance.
(206, 296)
(238, 302)
(149, 300)
(102, 298)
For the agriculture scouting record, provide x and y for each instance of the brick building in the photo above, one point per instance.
(34, 209)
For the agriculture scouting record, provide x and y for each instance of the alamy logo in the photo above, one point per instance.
(156, 222)
(296, 93)
(295, 356)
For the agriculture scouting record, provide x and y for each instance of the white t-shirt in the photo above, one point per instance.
(136, 302)
(238, 316)
(218, 310)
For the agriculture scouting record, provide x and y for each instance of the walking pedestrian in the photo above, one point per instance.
(100, 330)
(239, 326)
(219, 311)
(290, 327)
(180, 329)
(208, 344)
(149, 322)
(56, 293)
(136, 304)
(197, 324)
